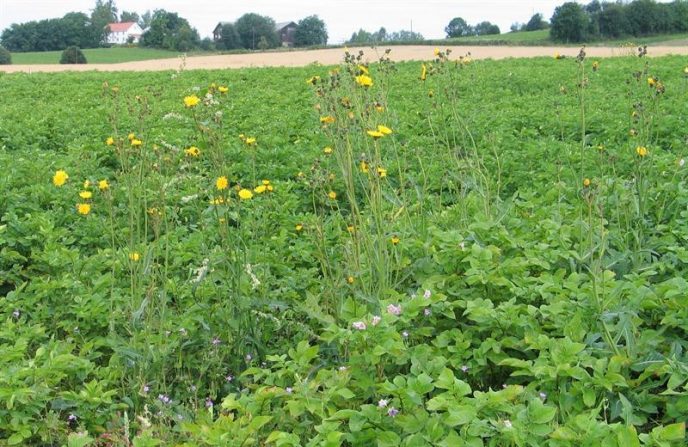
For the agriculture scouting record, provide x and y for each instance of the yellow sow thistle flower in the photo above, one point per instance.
(375, 134)
(85, 195)
(87, 184)
(395, 240)
(332, 195)
(136, 142)
(382, 172)
(364, 81)
(131, 136)
(363, 69)
(110, 141)
(221, 183)
(586, 182)
(364, 167)
(250, 141)
(134, 256)
(222, 89)
(60, 178)
(436, 52)
(350, 228)
(260, 189)
(651, 81)
(641, 151)
(298, 227)
(350, 279)
(83, 208)
(327, 119)
(423, 72)
(245, 194)
(327, 150)
(313, 80)
(193, 151)
(384, 129)
(191, 101)
(103, 185)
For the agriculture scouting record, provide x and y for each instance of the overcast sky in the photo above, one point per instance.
(342, 17)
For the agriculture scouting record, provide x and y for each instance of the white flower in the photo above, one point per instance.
(427, 294)
(361, 326)
(507, 423)
(382, 403)
(376, 320)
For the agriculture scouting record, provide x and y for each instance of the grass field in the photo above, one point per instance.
(454, 252)
(95, 56)
(541, 37)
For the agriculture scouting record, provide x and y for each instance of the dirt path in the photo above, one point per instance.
(334, 56)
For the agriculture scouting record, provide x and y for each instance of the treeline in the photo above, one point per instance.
(254, 31)
(380, 36)
(573, 22)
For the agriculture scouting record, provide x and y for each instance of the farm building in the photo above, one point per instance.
(121, 33)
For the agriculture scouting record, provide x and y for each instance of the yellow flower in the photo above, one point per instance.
(250, 141)
(266, 182)
(350, 279)
(298, 227)
(382, 172)
(136, 142)
(131, 136)
(641, 151)
(364, 80)
(191, 101)
(103, 185)
(379, 107)
(85, 195)
(350, 228)
(375, 134)
(685, 71)
(327, 150)
(193, 151)
(60, 178)
(83, 208)
(586, 182)
(423, 72)
(222, 89)
(327, 119)
(364, 166)
(260, 189)
(595, 66)
(384, 129)
(313, 80)
(651, 81)
(134, 256)
(395, 240)
(87, 184)
(217, 201)
(332, 195)
(110, 141)
(245, 194)
(221, 183)
(363, 69)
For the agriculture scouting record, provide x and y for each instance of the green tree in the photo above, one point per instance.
(612, 21)
(103, 12)
(73, 55)
(569, 23)
(458, 27)
(229, 38)
(405, 36)
(170, 32)
(128, 16)
(251, 27)
(486, 28)
(536, 22)
(5, 56)
(145, 20)
(310, 31)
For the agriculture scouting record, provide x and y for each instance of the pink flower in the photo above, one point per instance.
(394, 309)
(376, 320)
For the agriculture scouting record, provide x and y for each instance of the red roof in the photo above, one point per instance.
(120, 27)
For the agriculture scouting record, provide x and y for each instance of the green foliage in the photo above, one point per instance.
(229, 38)
(73, 55)
(519, 305)
(252, 27)
(74, 28)
(5, 56)
(536, 22)
(485, 29)
(458, 27)
(128, 16)
(569, 23)
(103, 13)
(310, 31)
(168, 31)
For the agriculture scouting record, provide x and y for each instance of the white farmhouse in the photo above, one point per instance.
(121, 33)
